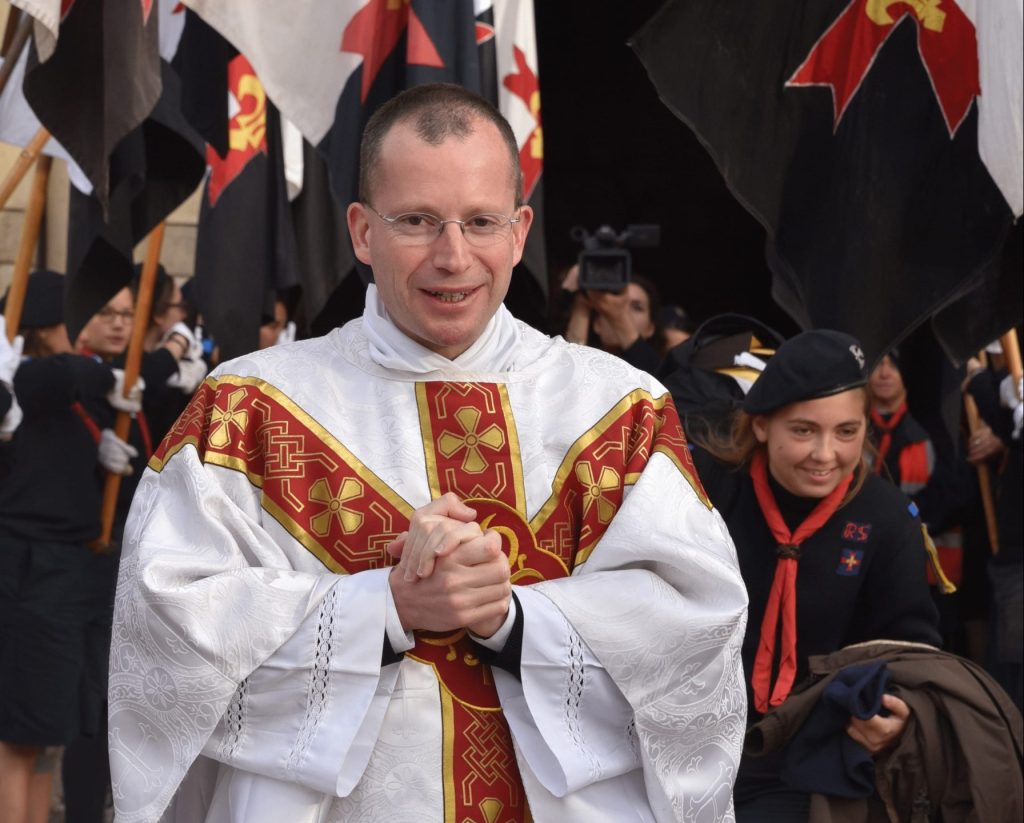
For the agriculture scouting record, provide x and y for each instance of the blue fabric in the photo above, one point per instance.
(822, 758)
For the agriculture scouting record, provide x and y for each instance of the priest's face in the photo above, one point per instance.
(440, 290)
(814, 444)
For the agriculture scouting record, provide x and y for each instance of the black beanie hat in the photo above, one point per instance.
(810, 365)
(44, 300)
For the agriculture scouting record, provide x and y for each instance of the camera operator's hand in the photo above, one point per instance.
(577, 328)
(613, 323)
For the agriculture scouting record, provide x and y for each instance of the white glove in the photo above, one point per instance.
(189, 375)
(287, 333)
(131, 404)
(10, 354)
(115, 455)
(1010, 398)
(194, 350)
(11, 420)
(1010, 394)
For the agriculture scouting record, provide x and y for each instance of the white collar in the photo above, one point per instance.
(494, 351)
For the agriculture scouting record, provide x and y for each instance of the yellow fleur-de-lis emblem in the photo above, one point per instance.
(928, 12)
(594, 491)
(351, 489)
(224, 419)
(473, 461)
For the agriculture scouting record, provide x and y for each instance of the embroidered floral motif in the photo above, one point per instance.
(160, 690)
(473, 462)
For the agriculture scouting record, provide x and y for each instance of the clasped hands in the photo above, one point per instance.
(451, 573)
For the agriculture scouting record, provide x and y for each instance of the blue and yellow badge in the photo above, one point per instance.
(850, 562)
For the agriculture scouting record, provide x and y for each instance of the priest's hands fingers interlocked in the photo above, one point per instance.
(470, 588)
(435, 529)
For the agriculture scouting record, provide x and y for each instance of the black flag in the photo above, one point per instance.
(852, 137)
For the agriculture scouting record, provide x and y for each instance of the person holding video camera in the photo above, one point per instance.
(618, 322)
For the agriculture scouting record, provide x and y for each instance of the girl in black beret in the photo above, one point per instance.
(830, 553)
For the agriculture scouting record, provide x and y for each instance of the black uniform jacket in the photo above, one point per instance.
(860, 576)
(51, 491)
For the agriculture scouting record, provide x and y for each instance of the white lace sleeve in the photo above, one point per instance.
(311, 712)
(230, 644)
(569, 719)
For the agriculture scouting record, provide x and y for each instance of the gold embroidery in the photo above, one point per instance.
(350, 520)
(594, 491)
(319, 492)
(450, 444)
(220, 433)
(470, 443)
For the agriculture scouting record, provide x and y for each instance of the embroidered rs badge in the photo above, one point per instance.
(856, 532)
(849, 562)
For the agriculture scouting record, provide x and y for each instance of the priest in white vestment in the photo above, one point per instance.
(433, 566)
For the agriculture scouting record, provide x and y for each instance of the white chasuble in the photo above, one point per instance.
(247, 680)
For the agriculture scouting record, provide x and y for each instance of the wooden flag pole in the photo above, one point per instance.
(27, 247)
(984, 478)
(132, 364)
(28, 156)
(14, 50)
(1011, 351)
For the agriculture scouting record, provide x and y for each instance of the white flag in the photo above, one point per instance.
(1000, 30)
(294, 46)
(19, 124)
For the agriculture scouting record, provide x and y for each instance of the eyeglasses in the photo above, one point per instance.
(109, 315)
(420, 229)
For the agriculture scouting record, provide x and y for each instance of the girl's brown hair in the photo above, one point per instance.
(738, 446)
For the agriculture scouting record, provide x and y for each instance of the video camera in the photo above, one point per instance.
(605, 262)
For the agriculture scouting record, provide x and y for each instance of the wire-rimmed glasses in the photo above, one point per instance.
(420, 228)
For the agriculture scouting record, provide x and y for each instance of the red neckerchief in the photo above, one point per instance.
(886, 427)
(782, 599)
(90, 424)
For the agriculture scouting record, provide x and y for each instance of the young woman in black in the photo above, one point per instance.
(831, 554)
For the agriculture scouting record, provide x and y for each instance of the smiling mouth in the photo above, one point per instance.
(450, 296)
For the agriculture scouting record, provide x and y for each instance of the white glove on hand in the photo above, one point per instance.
(189, 375)
(287, 333)
(11, 420)
(115, 455)
(1010, 398)
(131, 404)
(10, 354)
(1010, 394)
(194, 351)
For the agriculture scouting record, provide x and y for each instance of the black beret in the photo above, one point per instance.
(44, 300)
(813, 364)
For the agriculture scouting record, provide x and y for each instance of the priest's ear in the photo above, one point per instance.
(359, 231)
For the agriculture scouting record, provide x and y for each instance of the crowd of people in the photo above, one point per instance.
(439, 565)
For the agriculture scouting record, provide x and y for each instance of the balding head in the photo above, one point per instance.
(436, 112)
